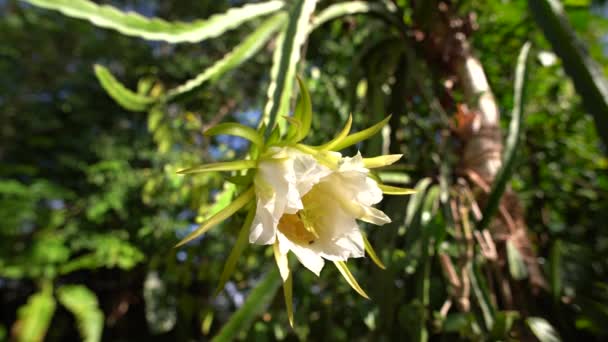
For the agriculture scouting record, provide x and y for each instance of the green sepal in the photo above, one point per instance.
(339, 137)
(362, 135)
(372, 253)
(302, 114)
(394, 190)
(219, 217)
(223, 166)
(381, 161)
(241, 179)
(350, 279)
(288, 294)
(237, 251)
(236, 129)
(275, 136)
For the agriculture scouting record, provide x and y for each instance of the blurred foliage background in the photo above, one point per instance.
(91, 205)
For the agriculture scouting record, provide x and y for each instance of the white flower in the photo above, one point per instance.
(311, 207)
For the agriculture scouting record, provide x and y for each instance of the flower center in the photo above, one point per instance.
(300, 227)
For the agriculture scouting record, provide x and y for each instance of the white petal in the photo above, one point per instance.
(309, 258)
(263, 228)
(339, 235)
(308, 172)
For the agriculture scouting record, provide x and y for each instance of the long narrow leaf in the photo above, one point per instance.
(82, 302)
(242, 52)
(121, 94)
(258, 300)
(587, 75)
(285, 59)
(542, 329)
(504, 174)
(133, 24)
(237, 250)
(415, 201)
(225, 213)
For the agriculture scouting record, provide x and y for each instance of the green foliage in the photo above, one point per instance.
(92, 203)
(586, 74)
(82, 302)
(35, 316)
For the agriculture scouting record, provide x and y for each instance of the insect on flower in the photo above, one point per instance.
(304, 199)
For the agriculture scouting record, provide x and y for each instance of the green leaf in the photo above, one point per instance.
(515, 131)
(225, 213)
(351, 8)
(237, 251)
(245, 50)
(223, 166)
(361, 135)
(133, 24)
(482, 297)
(34, 317)
(415, 201)
(285, 59)
(503, 324)
(517, 265)
(231, 128)
(123, 96)
(555, 270)
(587, 75)
(350, 279)
(82, 302)
(542, 329)
(257, 302)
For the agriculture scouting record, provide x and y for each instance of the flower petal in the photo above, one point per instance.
(264, 228)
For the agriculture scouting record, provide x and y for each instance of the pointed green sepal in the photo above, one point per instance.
(288, 294)
(361, 135)
(394, 190)
(293, 121)
(219, 217)
(286, 274)
(372, 253)
(224, 166)
(241, 179)
(275, 136)
(381, 161)
(231, 128)
(303, 114)
(350, 279)
(343, 134)
(237, 250)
